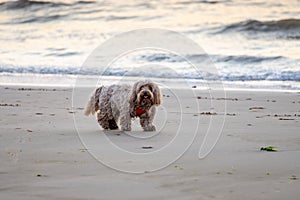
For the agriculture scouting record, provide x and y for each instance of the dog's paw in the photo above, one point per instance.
(112, 124)
(125, 128)
(149, 128)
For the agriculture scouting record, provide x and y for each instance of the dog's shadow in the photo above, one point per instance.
(136, 133)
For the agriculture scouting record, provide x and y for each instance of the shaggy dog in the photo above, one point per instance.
(123, 102)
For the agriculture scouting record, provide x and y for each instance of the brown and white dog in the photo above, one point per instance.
(123, 102)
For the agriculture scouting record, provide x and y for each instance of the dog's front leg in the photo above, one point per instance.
(125, 121)
(146, 120)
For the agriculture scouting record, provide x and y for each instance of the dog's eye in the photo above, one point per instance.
(150, 88)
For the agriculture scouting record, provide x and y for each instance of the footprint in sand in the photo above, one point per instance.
(13, 154)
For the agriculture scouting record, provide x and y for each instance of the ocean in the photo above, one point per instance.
(253, 44)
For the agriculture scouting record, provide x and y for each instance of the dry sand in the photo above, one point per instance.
(42, 156)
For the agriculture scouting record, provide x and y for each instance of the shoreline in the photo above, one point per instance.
(198, 88)
(70, 81)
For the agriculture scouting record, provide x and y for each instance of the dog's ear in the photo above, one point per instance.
(156, 94)
(133, 94)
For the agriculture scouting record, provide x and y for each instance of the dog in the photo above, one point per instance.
(121, 103)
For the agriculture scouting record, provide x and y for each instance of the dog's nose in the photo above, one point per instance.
(146, 93)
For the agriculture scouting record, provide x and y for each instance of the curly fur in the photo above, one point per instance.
(119, 103)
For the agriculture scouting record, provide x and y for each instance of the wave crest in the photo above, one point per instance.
(226, 75)
(23, 4)
(263, 26)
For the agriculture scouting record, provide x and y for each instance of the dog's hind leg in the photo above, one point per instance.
(112, 124)
(103, 121)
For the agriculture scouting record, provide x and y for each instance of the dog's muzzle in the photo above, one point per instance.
(146, 95)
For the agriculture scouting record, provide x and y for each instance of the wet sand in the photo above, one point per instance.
(42, 156)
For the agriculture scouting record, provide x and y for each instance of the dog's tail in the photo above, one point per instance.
(92, 105)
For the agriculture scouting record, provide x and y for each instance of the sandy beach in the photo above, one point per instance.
(208, 144)
(42, 156)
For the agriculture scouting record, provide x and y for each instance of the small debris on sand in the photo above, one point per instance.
(293, 177)
(269, 148)
(230, 99)
(178, 167)
(201, 97)
(10, 104)
(208, 113)
(83, 150)
(147, 147)
(286, 119)
(256, 108)
(231, 114)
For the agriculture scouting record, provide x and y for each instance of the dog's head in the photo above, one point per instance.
(145, 94)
